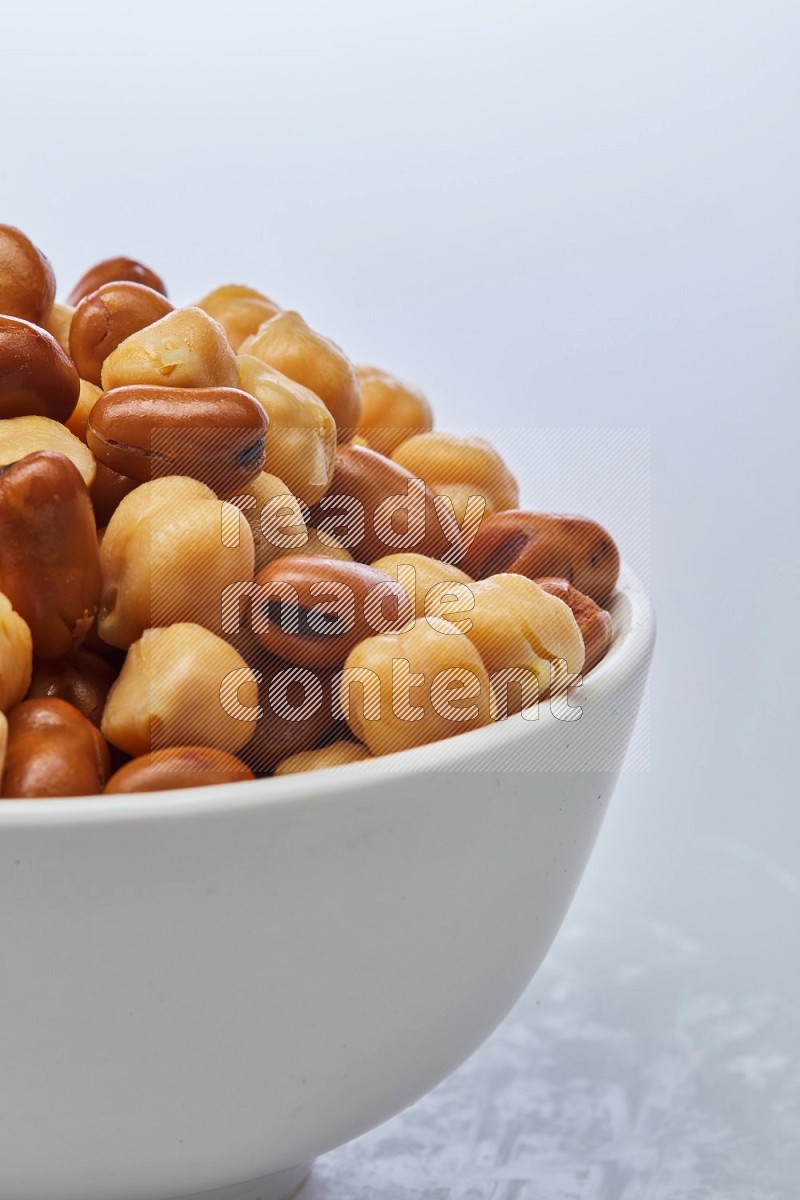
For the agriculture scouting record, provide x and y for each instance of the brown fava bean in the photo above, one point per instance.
(391, 411)
(115, 270)
(288, 344)
(82, 679)
(546, 544)
(239, 310)
(178, 767)
(184, 349)
(49, 566)
(594, 622)
(27, 282)
(312, 611)
(297, 711)
(107, 492)
(399, 511)
(36, 377)
(16, 656)
(105, 318)
(53, 750)
(215, 435)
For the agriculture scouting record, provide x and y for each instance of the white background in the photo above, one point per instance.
(559, 216)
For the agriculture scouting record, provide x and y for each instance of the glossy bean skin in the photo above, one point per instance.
(178, 767)
(312, 611)
(287, 343)
(36, 377)
(53, 750)
(215, 435)
(108, 490)
(239, 310)
(49, 566)
(106, 317)
(82, 679)
(373, 480)
(27, 282)
(391, 411)
(284, 690)
(546, 544)
(115, 270)
(594, 622)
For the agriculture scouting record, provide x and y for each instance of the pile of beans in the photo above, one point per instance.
(227, 552)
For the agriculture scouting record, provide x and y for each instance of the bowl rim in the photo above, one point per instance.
(629, 652)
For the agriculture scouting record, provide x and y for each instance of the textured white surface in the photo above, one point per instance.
(627, 1072)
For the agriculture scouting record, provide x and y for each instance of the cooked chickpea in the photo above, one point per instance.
(391, 411)
(185, 349)
(181, 686)
(58, 324)
(323, 545)
(239, 310)
(595, 624)
(337, 754)
(20, 436)
(169, 553)
(88, 397)
(286, 343)
(517, 628)
(301, 446)
(419, 576)
(460, 467)
(274, 516)
(400, 690)
(16, 656)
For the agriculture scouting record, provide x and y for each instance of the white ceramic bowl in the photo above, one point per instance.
(202, 990)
